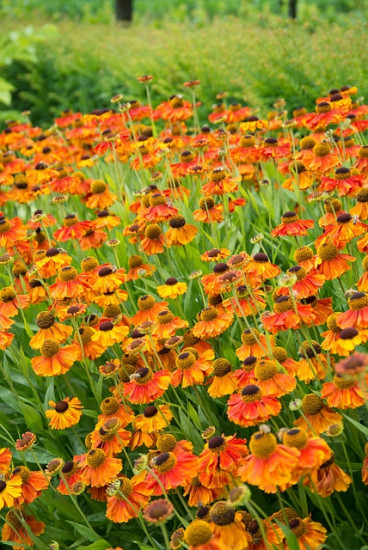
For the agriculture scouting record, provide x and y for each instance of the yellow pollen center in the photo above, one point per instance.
(109, 405)
(67, 273)
(312, 404)
(95, 458)
(295, 438)
(262, 445)
(197, 533)
(265, 370)
(49, 348)
(209, 314)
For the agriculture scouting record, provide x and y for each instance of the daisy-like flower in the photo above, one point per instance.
(347, 340)
(54, 360)
(112, 408)
(172, 470)
(199, 536)
(251, 407)
(146, 386)
(317, 417)
(271, 381)
(228, 527)
(199, 495)
(5, 460)
(49, 329)
(15, 532)
(270, 466)
(189, 371)
(136, 266)
(310, 534)
(292, 226)
(347, 183)
(25, 442)
(67, 284)
(219, 460)
(253, 344)
(70, 475)
(10, 304)
(361, 208)
(10, 490)
(50, 262)
(108, 334)
(64, 413)
(208, 211)
(314, 364)
(153, 240)
(314, 451)
(148, 309)
(11, 231)
(101, 196)
(329, 477)
(287, 314)
(222, 381)
(331, 263)
(108, 279)
(153, 419)
(130, 496)
(172, 289)
(306, 284)
(159, 209)
(344, 392)
(98, 469)
(167, 325)
(343, 231)
(72, 228)
(357, 314)
(33, 483)
(260, 268)
(212, 323)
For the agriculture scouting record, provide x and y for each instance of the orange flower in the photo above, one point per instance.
(153, 419)
(209, 212)
(292, 226)
(188, 371)
(132, 495)
(109, 278)
(54, 360)
(317, 418)
(50, 262)
(65, 413)
(272, 382)
(111, 408)
(310, 534)
(98, 469)
(137, 266)
(72, 228)
(199, 495)
(15, 532)
(5, 460)
(254, 344)
(269, 466)
(159, 209)
(49, 329)
(67, 284)
(344, 392)
(171, 289)
(172, 470)
(223, 381)
(357, 314)
(251, 407)
(146, 386)
(101, 196)
(344, 181)
(314, 451)
(10, 303)
(307, 283)
(220, 459)
(148, 309)
(110, 437)
(87, 347)
(313, 364)
(10, 490)
(167, 325)
(199, 536)
(11, 231)
(287, 314)
(228, 527)
(153, 240)
(108, 334)
(70, 475)
(329, 477)
(260, 268)
(33, 483)
(331, 263)
(212, 323)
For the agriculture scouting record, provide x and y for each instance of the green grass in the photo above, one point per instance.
(82, 65)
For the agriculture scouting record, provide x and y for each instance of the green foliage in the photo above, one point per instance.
(84, 65)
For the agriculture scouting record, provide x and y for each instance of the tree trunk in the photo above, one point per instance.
(124, 10)
(292, 8)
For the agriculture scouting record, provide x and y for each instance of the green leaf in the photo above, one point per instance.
(32, 417)
(86, 532)
(98, 545)
(360, 427)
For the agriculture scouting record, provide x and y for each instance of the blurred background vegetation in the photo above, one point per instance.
(73, 54)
